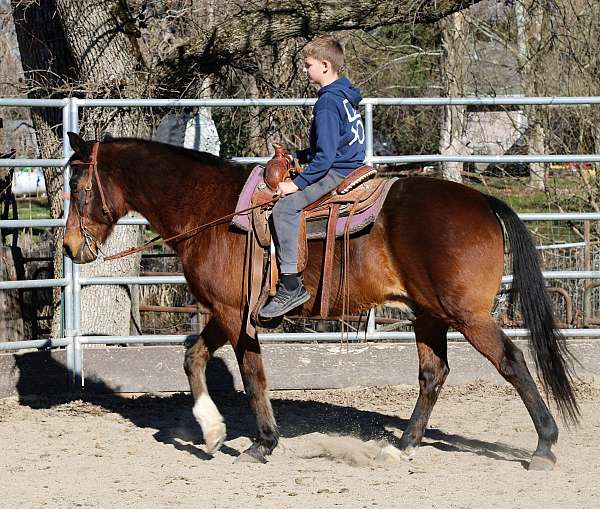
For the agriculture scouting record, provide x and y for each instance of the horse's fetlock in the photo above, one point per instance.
(549, 431)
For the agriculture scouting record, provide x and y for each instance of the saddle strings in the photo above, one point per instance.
(346, 274)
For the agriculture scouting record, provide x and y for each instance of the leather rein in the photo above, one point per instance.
(88, 236)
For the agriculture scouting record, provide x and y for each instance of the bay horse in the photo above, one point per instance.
(436, 247)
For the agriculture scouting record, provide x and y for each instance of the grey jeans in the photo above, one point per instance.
(286, 219)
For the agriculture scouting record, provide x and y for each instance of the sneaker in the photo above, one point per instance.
(284, 301)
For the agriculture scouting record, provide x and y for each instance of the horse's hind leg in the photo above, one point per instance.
(489, 340)
(205, 411)
(433, 370)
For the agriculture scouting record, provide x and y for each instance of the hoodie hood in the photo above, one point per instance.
(343, 88)
(337, 134)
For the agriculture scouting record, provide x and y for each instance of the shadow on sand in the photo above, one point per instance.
(171, 415)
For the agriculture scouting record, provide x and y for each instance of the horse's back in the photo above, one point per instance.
(446, 242)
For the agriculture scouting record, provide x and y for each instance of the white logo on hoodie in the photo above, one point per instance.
(354, 118)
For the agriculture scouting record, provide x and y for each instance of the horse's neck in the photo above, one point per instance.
(180, 194)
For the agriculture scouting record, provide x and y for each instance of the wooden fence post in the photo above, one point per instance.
(11, 319)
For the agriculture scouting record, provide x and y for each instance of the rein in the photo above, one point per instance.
(89, 236)
(188, 233)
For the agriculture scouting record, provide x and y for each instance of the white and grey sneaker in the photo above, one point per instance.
(284, 301)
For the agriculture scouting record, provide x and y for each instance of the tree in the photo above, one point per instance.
(454, 40)
(61, 52)
(244, 28)
(88, 48)
(529, 16)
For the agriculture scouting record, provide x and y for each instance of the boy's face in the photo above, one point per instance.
(319, 72)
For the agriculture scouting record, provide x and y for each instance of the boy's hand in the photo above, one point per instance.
(287, 187)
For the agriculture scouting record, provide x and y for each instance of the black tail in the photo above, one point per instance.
(553, 360)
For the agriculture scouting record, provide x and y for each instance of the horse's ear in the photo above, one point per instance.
(79, 145)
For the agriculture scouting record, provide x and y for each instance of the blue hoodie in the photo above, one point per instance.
(337, 134)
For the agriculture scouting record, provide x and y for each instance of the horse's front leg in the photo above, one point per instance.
(248, 354)
(205, 411)
(255, 383)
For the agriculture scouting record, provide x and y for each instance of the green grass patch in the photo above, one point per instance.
(562, 194)
(33, 208)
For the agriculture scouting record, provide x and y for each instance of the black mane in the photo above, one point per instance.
(201, 157)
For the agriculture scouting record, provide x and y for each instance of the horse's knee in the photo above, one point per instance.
(195, 358)
(431, 378)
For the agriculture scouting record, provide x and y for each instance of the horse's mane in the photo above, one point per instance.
(201, 157)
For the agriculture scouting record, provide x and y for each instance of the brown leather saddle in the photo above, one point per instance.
(357, 192)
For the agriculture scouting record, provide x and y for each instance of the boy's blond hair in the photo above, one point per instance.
(326, 47)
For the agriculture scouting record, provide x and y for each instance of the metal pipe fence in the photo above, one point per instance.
(72, 282)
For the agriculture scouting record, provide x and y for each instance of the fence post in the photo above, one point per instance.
(371, 329)
(67, 293)
(77, 351)
(368, 133)
(587, 261)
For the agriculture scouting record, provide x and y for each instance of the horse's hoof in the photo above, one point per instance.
(215, 437)
(408, 452)
(389, 454)
(251, 456)
(542, 463)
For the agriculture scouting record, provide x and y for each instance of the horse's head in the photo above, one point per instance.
(92, 211)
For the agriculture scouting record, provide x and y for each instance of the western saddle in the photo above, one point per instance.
(356, 193)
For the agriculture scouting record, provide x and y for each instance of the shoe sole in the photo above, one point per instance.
(288, 308)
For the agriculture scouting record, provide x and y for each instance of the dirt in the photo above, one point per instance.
(147, 451)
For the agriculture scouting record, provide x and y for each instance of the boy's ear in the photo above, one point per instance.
(327, 67)
(79, 145)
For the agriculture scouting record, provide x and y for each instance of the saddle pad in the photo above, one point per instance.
(244, 201)
(316, 229)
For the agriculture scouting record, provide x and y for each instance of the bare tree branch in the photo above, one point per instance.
(249, 26)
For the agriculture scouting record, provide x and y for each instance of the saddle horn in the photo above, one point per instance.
(278, 167)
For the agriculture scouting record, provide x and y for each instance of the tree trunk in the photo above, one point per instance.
(529, 17)
(96, 52)
(34, 25)
(11, 320)
(454, 33)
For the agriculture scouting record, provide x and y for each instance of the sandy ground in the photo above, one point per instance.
(147, 452)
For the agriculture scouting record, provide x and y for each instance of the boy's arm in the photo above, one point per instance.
(327, 127)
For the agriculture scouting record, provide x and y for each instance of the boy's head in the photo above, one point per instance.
(323, 59)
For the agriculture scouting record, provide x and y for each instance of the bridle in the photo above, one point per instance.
(84, 202)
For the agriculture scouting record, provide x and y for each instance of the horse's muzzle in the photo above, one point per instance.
(83, 255)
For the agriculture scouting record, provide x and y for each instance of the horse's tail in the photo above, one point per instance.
(553, 361)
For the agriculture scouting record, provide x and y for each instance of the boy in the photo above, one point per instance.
(337, 147)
